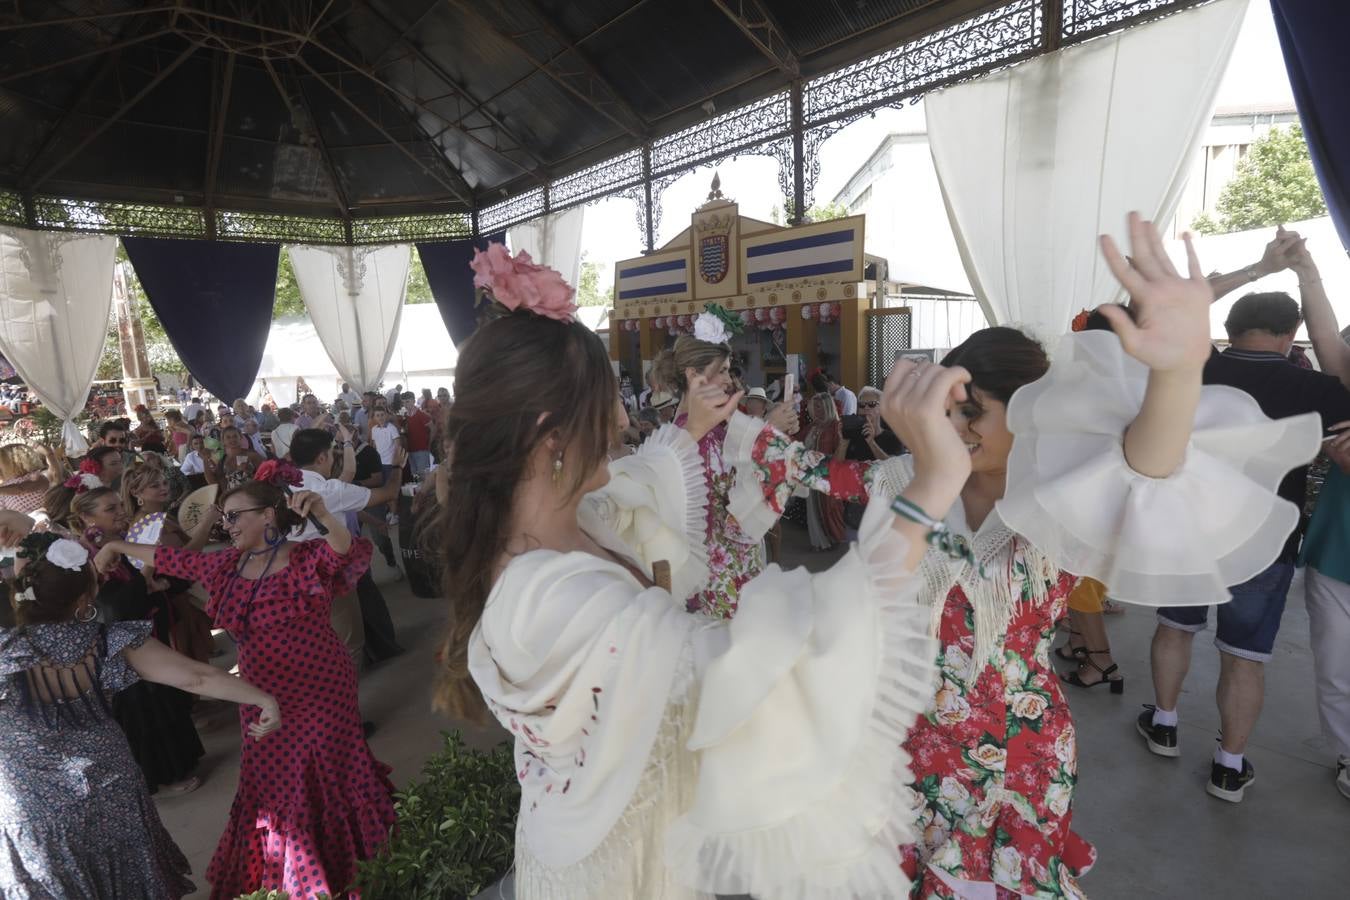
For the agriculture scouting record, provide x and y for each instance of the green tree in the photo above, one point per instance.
(588, 288)
(1274, 184)
(817, 213)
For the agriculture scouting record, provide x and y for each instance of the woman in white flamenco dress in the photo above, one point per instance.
(664, 755)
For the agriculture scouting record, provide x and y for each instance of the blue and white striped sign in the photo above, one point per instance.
(811, 251)
(654, 277)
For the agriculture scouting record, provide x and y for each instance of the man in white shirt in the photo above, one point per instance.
(193, 408)
(312, 451)
(848, 401)
(392, 396)
(349, 396)
(282, 434)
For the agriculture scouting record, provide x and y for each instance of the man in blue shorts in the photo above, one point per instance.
(1261, 330)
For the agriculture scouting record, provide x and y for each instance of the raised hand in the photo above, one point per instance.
(1170, 328)
(307, 503)
(915, 402)
(709, 406)
(783, 416)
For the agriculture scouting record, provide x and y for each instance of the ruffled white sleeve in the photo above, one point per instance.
(1181, 540)
(804, 700)
(656, 502)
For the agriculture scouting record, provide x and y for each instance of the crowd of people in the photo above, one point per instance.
(123, 562)
(605, 558)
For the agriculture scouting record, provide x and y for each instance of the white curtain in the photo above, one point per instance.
(55, 296)
(1035, 162)
(355, 297)
(553, 240)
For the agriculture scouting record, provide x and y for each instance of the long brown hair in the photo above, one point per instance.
(688, 353)
(520, 380)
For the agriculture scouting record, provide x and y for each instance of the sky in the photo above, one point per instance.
(610, 232)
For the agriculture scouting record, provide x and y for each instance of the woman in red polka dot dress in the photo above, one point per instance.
(314, 800)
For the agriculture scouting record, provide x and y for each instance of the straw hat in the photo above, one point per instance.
(662, 399)
(757, 393)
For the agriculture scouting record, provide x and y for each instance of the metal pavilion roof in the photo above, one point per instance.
(367, 120)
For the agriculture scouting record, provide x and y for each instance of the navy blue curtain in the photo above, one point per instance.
(1313, 36)
(451, 280)
(214, 299)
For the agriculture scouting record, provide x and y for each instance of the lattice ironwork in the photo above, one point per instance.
(638, 194)
(60, 214)
(11, 208)
(610, 177)
(889, 332)
(512, 211)
(734, 132)
(1086, 18)
(401, 229)
(264, 227)
(995, 38)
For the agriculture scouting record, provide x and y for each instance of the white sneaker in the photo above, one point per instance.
(1343, 776)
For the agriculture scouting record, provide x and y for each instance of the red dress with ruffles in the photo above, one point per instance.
(312, 799)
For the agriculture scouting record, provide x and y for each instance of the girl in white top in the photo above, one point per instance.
(664, 755)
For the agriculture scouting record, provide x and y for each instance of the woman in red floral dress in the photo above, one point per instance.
(1104, 482)
(314, 800)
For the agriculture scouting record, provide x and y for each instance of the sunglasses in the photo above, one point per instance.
(871, 404)
(233, 515)
(115, 442)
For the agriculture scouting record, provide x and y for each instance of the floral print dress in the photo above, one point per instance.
(995, 761)
(735, 557)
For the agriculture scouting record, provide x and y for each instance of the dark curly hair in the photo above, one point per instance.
(57, 591)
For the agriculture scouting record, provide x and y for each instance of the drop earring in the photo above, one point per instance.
(557, 471)
(272, 536)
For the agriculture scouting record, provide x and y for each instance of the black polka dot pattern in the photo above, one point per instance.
(312, 799)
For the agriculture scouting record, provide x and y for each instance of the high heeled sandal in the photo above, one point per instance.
(1117, 684)
(1075, 654)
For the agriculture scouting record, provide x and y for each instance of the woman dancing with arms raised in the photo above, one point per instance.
(1088, 467)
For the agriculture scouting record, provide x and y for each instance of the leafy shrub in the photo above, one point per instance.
(456, 828)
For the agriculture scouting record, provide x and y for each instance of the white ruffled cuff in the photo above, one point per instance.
(746, 501)
(1176, 541)
(657, 502)
(802, 779)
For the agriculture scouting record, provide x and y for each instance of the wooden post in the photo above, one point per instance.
(649, 344)
(853, 342)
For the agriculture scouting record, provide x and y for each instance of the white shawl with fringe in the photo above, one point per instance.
(794, 711)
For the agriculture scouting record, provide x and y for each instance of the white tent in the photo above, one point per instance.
(423, 357)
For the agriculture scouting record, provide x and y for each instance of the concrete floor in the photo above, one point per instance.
(1158, 834)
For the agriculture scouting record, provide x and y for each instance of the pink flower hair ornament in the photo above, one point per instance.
(520, 283)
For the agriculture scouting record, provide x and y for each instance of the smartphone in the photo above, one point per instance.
(789, 386)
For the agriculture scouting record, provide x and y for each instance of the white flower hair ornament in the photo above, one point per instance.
(717, 325)
(708, 327)
(68, 554)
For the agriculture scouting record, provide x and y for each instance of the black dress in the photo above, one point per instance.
(156, 718)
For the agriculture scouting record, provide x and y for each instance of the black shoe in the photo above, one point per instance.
(1228, 784)
(1162, 739)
